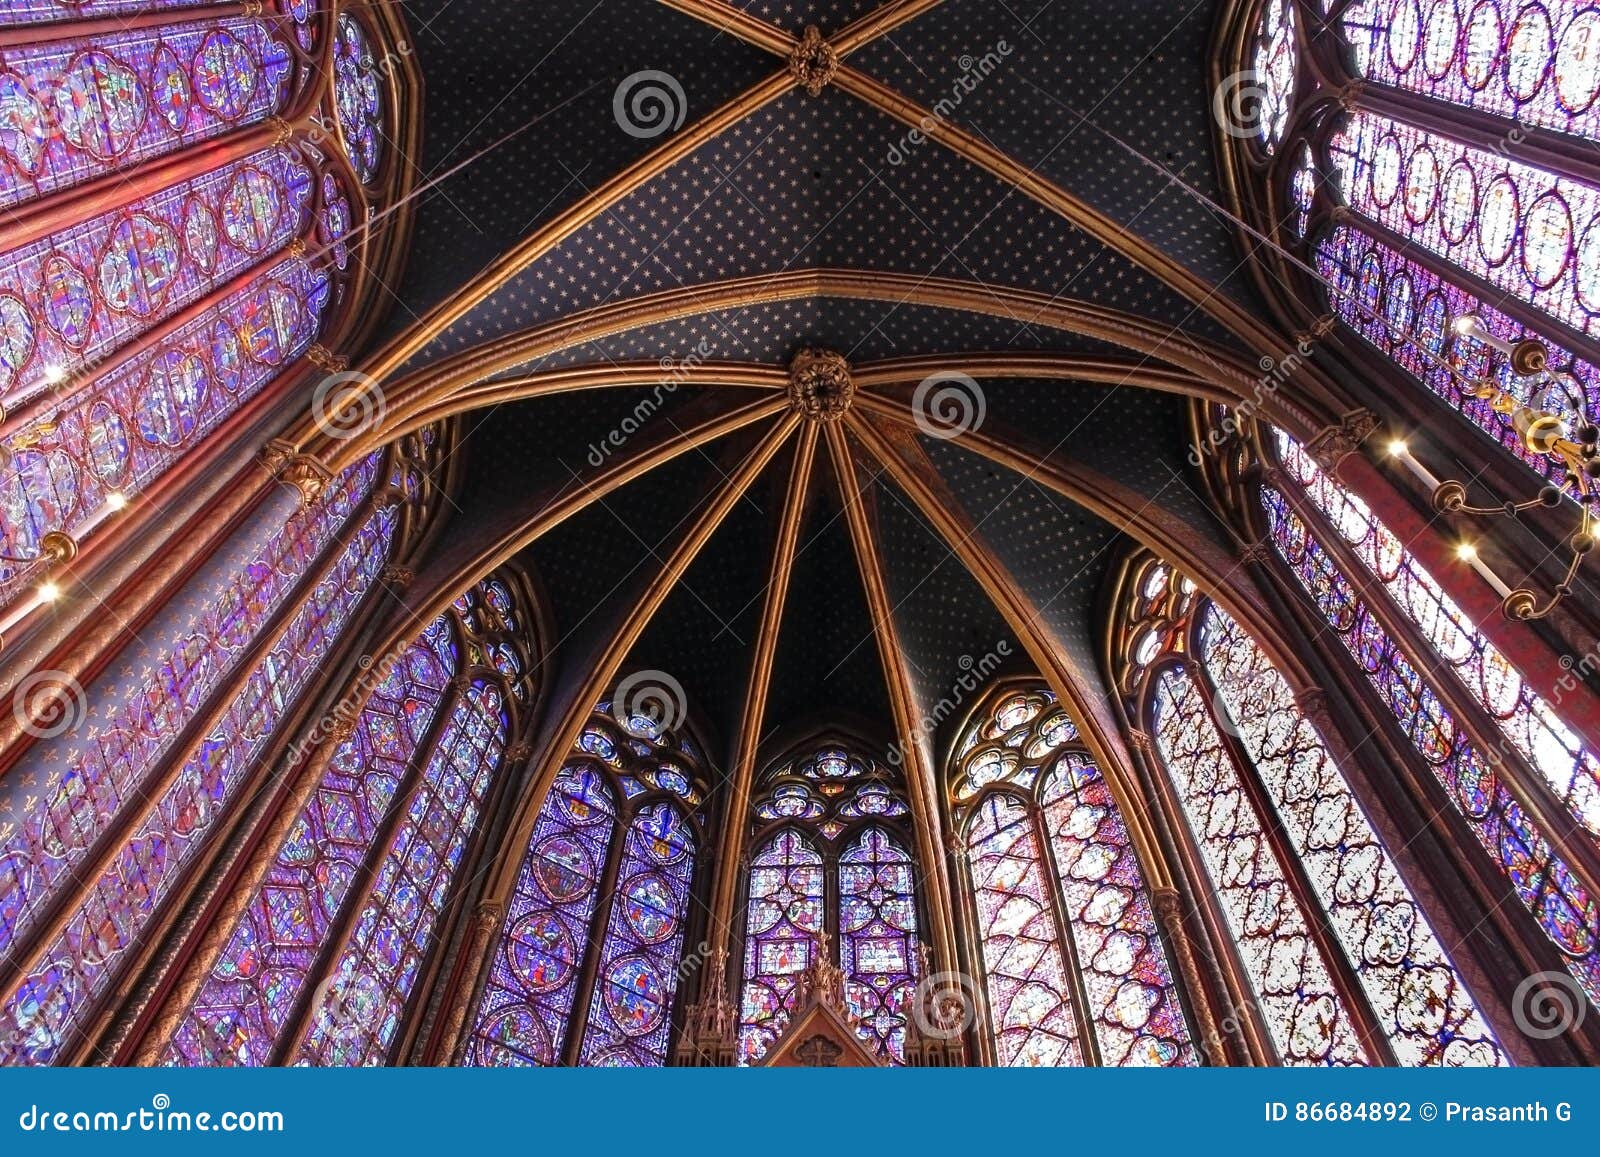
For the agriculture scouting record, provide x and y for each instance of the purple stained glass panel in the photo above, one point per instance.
(85, 778)
(42, 1010)
(123, 429)
(630, 1013)
(1525, 231)
(1533, 63)
(1568, 915)
(77, 109)
(1406, 311)
(377, 969)
(878, 938)
(79, 294)
(783, 919)
(527, 1003)
(243, 1006)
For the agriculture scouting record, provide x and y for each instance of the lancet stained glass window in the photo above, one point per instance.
(1220, 713)
(616, 846)
(831, 851)
(1044, 835)
(1450, 247)
(217, 221)
(420, 758)
(1567, 913)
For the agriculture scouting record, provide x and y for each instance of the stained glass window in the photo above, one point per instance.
(80, 108)
(1046, 844)
(1276, 69)
(1222, 716)
(1535, 64)
(1436, 230)
(175, 805)
(615, 846)
(831, 852)
(1469, 774)
(329, 860)
(783, 921)
(247, 255)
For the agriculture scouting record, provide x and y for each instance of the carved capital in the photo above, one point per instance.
(399, 577)
(323, 358)
(820, 385)
(305, 472)
(1142, 742)
(486, 918)
(814, 62)
(519, 752)
(1333, 444)
(1168, 903)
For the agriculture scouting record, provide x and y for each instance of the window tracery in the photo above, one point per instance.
(1304, 883)
(219, 258)
(381, 838)
(831, 867)
(1066, 925)
(1472, 774)
(588, 961)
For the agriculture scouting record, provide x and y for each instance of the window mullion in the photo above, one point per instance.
(1351, 991)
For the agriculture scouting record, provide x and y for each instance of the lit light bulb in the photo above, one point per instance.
(1465, 324)
(1397, 447)
(1466, 552)
(54, 374)
(116, 500)
(49, 592)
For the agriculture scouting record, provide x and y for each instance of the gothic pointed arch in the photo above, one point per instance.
(1336, 957)
(590, 954)
(1075, 967)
